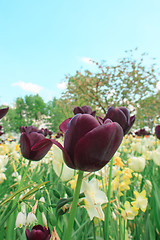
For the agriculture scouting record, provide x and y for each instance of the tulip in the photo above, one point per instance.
(120, 115)
(88, 146)
(38, 233)
(157, 131)
(33, 144)
(142, 132)
(83, 110)
(137, 163)
(3, 112)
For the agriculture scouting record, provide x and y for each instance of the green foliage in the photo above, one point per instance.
(128, 84)
(148, 112)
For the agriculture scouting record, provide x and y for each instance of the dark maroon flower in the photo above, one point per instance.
(33, 144)
(59, 134)
(142, 132)
(120, 115)
(84, 109)
(38, 233)
(88, 146)
(3, 112)
(157, 131)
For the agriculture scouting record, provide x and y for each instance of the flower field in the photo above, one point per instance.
(42, 193)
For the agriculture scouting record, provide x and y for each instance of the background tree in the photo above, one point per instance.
(125, 84)
(58, 110)
(148, 112)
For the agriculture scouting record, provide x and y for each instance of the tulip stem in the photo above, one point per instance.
(68, 233)
(107, 210)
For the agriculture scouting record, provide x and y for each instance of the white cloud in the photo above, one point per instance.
(87, 60)
(30, 87)
(62, 85)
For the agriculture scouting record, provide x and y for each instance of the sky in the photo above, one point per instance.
(43, 41)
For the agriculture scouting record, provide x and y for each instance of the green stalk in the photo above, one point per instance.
(12, 218)
(107, 209)
(68, 232)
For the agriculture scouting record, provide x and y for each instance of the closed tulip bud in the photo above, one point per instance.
(33, 144)
(137, 163)
(84, 109)
(120, 115)
(88, 145)
(38, 233)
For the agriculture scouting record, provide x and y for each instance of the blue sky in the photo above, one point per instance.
(43, 41)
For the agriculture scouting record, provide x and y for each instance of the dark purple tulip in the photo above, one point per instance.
(120, 115)
(38, 233)
(157, 131)
(88, 146)
(84, 109)
(142, 132)
(33, 144)
(3, 112)
(59, 134)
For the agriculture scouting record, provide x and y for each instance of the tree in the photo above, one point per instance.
(124, 84)
(148, 113)
(58, 111)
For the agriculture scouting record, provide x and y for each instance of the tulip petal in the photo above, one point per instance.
(132, 120)
(3, 112)
(40, 149)
(116, 115)
(127, 114)
(96, 148)
(100, 120)
(79, 125)
(157, 131)
(63, 125)
(25, 145)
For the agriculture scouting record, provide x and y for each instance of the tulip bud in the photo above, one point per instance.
(137, 163)
(33, 144)
(120, 115)
(38, 232)
(89, 146)
(84, 109)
